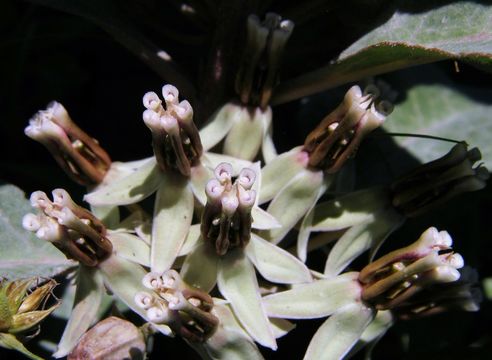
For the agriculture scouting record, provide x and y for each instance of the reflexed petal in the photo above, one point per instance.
(339, 333)
(130, 247)
(230, 341)
(173, 212)
(267, 146)
(237, 283)
(349, 210)
(212, 160)
(277, 173)
(360, 238)
(281, 327)
(314, 300)
(293, 201)
(245, 136)
(263, 220)
(109, 215)
(130, 189)
(88, 295)
(220, 124)
(200, 267)
(276, 264)
(124, 279)
(191, 240)
(375, 331)
(200, 175)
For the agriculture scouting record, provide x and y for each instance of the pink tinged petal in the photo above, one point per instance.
(294, 200)
(314, 300)
(237, 283)
(130, 247)
(360, 238)
(131, 189)
(124, 279)
(339, 333)
(88, 297)
(200, 175)
(173, 212)
(219, 125)
(276, 264)
(200, 267)
(277, 173)
(245, 136)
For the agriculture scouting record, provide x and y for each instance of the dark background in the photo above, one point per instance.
(50, 55)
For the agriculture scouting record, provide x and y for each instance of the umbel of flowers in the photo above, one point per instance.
(208, 264)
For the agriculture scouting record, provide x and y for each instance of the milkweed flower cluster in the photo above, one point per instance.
(210, 262)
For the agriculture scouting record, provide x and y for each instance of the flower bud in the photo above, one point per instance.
(437, 181)
(78, 154)
(260, 63)
(111, 339)
(175, 138)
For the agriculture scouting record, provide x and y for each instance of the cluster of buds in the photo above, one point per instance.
(437, 181)
(72, 229)
(78, 154)
(258, 72)
(175, 138)
(395, 279)
(187, 310)
(226, 220)
(19, 309)
(339, 134)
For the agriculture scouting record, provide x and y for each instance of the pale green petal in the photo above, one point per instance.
(237, 283)
(276, 264)
(281, 327)
(277, 173)
(124, 279)
(219, 125)
(230, 341)
(9, 341)
(267, 146)
(130, 247)
(212, 160)
(191, 240)
(88, 295)
(374, 332)
(262, 220)
(173, 212)
(245, 136)
(109, 215)
(200, 175)
(349, 210)
(293, 201)
(339, 333)
(360, 238)
(200, 267)
(314, 300)
(130, 189)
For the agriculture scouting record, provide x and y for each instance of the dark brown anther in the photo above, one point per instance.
(78, 154)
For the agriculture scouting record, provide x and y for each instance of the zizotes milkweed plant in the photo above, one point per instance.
(212, 262)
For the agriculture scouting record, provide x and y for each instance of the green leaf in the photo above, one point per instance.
(443, 111)
(22, 254)
(339, 333)
(9, 341)
(458, 31)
